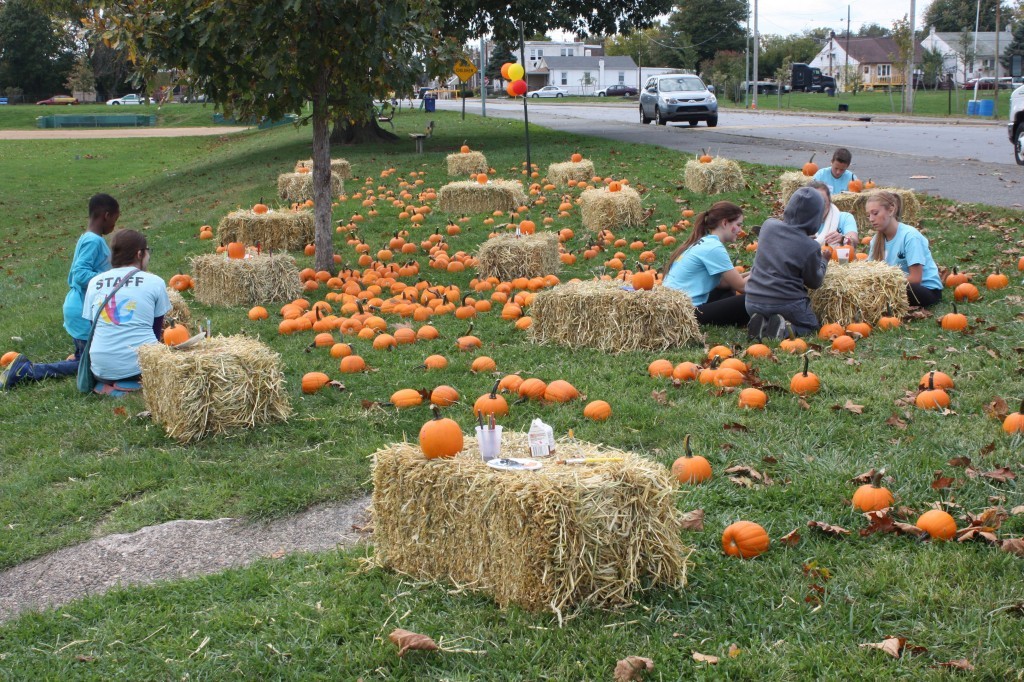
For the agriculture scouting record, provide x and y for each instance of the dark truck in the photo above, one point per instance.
(810, 79)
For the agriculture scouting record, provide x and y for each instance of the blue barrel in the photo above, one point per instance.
(986, 107)
(972, 107)
(428, 104)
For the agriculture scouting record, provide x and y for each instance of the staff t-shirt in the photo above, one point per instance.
(126, 322)
(910, 247)
(92, 256)
(699, 270)
(835, 185)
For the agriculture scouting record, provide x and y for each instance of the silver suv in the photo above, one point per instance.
(678, 97)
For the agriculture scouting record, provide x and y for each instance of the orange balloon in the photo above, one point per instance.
(510, 91)
(504, 70)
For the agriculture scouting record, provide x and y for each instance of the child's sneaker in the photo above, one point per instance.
(755, 328)
(14, 372)
(775, 327)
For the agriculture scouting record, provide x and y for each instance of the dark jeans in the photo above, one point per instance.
(797, 313)
(723, 309)
(38, 371)
(919, 295)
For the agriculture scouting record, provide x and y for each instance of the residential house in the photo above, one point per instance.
(874, 60)
(587, 75)
(953, 53)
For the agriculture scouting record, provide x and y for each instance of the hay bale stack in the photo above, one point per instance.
(220, 385)
(464, 164)
(868, 288)
(558, 538)
(471, 197)
(604, 210)
(853, 202)
(562, 173)
(274, 230)
(341, 167)
(299, 186)
(508, 256)
(716, 177)
(261, 279)
(179, 308)
(790, 182)
(605, 316)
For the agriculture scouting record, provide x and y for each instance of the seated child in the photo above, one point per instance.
(903, 246)
(837, 227)
(836, 176)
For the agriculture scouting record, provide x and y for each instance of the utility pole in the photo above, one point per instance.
(526, 116)
(746, 59)
(908, 78)
(483, 77)
(846, 68)
(995, 96)
(757, 48)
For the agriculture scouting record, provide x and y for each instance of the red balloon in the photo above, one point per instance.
(509, 90)
(504, 70)
(519, 87)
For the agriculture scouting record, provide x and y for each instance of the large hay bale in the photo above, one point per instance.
(179, 309)
(299, 186)
(508, 256)
(466, 197)
(464, 164)
(561, 537)
(257, 280)
(790, 182)
(716, 177)
(340, 167)
(219, 385)
(853, 202)
(604, 210)
(562, 173)
(868, 288)
(274, 230)
(606, 316)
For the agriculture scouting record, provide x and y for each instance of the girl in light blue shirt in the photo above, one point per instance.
(903, 246)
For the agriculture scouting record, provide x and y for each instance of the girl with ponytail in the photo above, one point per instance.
(903, 246)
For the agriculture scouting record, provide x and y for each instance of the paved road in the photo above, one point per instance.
(965, 161)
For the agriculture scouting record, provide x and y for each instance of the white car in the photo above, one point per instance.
(128, 99)
(1015, 128)
(548, 91)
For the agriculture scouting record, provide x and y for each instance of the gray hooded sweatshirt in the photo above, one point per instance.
(788, 259)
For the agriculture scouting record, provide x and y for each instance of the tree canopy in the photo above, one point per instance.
(36, 53)
(953, 16)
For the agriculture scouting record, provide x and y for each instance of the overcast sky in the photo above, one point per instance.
(784, 17)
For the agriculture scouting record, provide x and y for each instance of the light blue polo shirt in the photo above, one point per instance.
(699, 270)
(847, 224)
(92, 256)
(910, 247)
(835, 185)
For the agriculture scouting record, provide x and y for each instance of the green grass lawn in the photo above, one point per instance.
(74, 467)
(23, 116)
(926, 102)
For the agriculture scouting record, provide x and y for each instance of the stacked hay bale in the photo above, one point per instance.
(299, 186)
(508, 256)
(179, 309)
(467, 197)
(339, 167)
(602, 209)
(790, 182)
(853, 202)
(562, 173)
(265, 278)
(465, 163)
(219, 385)
(868, 289)
(558, 538)
(715, 177)
(610, 318)
(274, 230)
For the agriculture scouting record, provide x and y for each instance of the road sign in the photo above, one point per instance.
(464, 70)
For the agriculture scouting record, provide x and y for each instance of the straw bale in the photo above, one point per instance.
(467, 196)
(179, 308)
(464, 164)
(220, 385)
(299, 186)
(720, 175)
(606, 316)
(340, 167)
(604, 210)
(559, 538)
(562, 173)
(853, 202)
(790, 182)
(254, 280)
(870, 288)
(508, 256)
(274, 230)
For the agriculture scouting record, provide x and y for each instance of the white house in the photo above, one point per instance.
(586, 75)
(984, 62)
(874, 60)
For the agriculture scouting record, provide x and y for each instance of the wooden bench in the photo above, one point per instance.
(419, 137)
(386, 114)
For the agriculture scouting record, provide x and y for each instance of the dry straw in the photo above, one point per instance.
(265, 278)
(869, 289)
(220, 385)
(464, 164)
(467, 197)
(560, 538)
(299, 186)
(283, 230)
(854, 202)
(790, 182)
(601, 209)
(716, 177)
(179, 308)
(339, 167)
(605, 316)
(562, 173)
(508, 256)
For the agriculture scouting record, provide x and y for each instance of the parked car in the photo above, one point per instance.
(986, 83)
(617, 90)
(678, 97)
(128, 99)
(764, 87)
(1015, 128)
(548, 91)
(59, 99)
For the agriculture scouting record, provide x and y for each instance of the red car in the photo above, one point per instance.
(59, 99)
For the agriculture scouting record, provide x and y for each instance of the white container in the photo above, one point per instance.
(843, 253)
(489, 441)
(541, 439)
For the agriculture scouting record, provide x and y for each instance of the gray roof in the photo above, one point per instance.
(874, 50)
(581, 63)
(986, 41)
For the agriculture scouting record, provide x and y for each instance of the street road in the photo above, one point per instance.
(965, 161)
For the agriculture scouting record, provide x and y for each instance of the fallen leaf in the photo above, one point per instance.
(769, 459)
(632, 668)
(742, 471)
(988, 449)
(878, 522)
(734, 651)
(960, 462)
(803, 404)
(896, 422)
(791, 539)
(1019, 509)
(693, 520)
(705, 658)
(734, 426)
(976, 535)
(407, 641)
(1013, 546)
(990, 518)
(895, 646)
(861, 479)
(997, 409)
(828, 529)
(82, 658)
(850, 406)
(120, 411)
(958, 664)
(1000, 474)
(660, 397)
(279, 554)
(941, 482)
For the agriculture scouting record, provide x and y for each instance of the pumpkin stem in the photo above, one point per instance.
(954, 308)
(931, 380)
(876, 478)
(470, 330)
(715, 362)
(807, 362)
(436, 410)
(686, 446)
(494, 389)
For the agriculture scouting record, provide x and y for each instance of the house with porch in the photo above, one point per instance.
(585, 75)
(874, 60)
(953, 52)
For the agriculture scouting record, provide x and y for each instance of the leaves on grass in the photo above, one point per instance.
(747, 476)
(960, 461)
(734, 651)
(895, 421)
(791, 539)
(999, 474)
(660, 397)
(977, 534)
(895, 646)
(992, 518)
(693, 520)
(705, 658)
(120, 411)
(1019, 509)
(997, 409)
(407, 641)
(632, 668)
(941, 482)
(734, 426)
(803, 404)
(861, 479)
(828, 529)
(958, 664)
(849, 406)
(1013, 546)
(882, 521)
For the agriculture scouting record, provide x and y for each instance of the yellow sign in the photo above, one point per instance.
(464, 70)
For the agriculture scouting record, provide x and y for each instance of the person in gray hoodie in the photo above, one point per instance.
(787, 263)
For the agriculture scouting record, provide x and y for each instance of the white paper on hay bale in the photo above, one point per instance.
(468, 197)
(865, 289)
(855, 204)
(562, 173)
(282, 230)
(718, 176)
(601, 209)
(266, 278)
(508, 256)
(554, 539)
(464, 164)
(299, 186)
(341, 167)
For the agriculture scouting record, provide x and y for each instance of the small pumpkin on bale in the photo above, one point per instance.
(440, 436)
(175, 334)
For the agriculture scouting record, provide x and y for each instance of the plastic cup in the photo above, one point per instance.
(843, 254)
(490, 442)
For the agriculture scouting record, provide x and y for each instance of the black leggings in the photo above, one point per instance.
(723, 309)
(922, 296)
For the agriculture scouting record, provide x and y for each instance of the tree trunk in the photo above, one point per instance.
(322, 198)
(360, 133)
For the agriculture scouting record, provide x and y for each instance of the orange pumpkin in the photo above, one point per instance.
(258, 313)
(576, 158)
(406, 397)
(997, 280)
(440, 437)
(691, 468)
(644, 279)
(260, 208)
(745, 539)
(660, 368)
(175, 334)
(805, 382)
(872, 496)
(314, 381)
(560, 391)
(753, 399)
(810, 168)
(598, 410)
(938, 524)
(1014, 422)
(965, 292)
(443, 396)
(491, 403)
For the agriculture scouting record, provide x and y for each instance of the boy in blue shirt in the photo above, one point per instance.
(836, 176)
